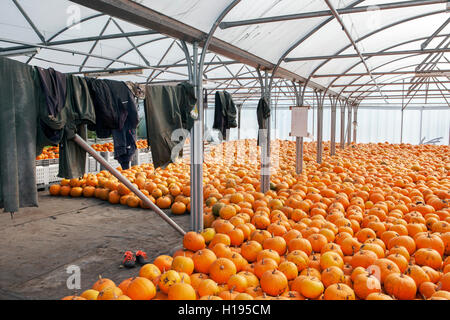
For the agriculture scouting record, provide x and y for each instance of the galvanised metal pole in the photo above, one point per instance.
(298, 140)
(349, 125)
(342, 140)
(265, 142)
(420, 129)
(355, 122)
(239, 107)
(197, 147)
(313, 117)
(80, 141)
(403, 108)
(401, 127)
(196, 155)
(319, 126)
(333, 127)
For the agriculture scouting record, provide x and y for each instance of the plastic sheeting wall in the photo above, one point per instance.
(373, 125)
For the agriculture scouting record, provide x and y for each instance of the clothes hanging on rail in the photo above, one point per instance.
(19, 98)
(136, 89)
(116, 115)
(52, 101)
(262, 114)
(225, 113)
(54, 87)
(78, 112)
(109, 114)
(167, 109)
(124, 137)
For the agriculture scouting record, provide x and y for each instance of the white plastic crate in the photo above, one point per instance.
(53, 173)
(42, 177)
(135, 160)
(144, 157)
(93, 165)
(108, 156)
(114, 163)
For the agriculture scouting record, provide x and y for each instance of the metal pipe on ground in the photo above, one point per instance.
(77, 139)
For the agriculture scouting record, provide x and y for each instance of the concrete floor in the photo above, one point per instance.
(40, 243)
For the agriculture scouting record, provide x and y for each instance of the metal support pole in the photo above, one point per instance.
(197, 147)
(313, 119)
(265, 142)
(320, 99)
(239, 107)
(77, 139)
(333, 127)
(355, 122)
(298, 140)
(401, 127)
(342, 140)
(420, 129)
(205, 111)
(299, 155)
(403, 108)
(197, 152)
(349, 124)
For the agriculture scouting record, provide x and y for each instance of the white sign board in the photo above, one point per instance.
(299, 121)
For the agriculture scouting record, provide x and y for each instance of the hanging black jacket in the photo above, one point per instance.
(225, 112)
(116, 115)
(125, 136)
(54, 89)
(106, 110)
(262, 114)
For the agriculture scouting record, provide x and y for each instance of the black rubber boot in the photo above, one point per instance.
(129, 260)
(141, 257)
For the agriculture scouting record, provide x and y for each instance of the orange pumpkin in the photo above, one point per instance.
(141, 289)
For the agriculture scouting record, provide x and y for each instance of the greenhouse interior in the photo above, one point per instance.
(225, 150)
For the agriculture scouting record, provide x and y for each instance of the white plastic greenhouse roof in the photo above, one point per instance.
(374, 52)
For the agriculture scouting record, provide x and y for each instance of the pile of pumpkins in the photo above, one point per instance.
(371, 222)
(109, 146)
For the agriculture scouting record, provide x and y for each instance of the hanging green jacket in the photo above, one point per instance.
(19, 98)
(168, 108)
(78, 112)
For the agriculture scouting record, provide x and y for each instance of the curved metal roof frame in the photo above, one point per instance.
(246, 76)
(394, 60)
(369, 35)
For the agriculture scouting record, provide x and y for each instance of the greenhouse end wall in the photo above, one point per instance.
(373, 125)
